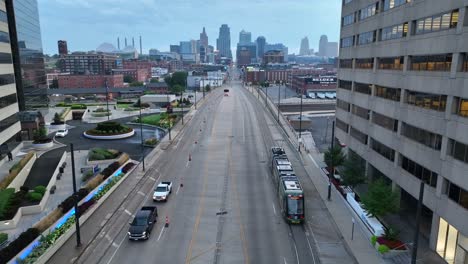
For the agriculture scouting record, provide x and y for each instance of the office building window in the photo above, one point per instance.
(4, 37)
(369, 11)
(347, 42)
(384, 121)
(394, 32)
(3, 16)
(465, 63)
(437, 22)
(7, 79)
(435, 102)
(383, 150)
(8, 122)
(457, 194)
(447, 241)
(342, 125)
(393, 63)
(343, 105)
(365, 63)
(358, 135)
(422, 136)
(441, 62)
(361, 112)
(462, 106)
(7, 100)
(5, 58)
(458, 150)
(346, 63)
(366, 37)
(347, 85)
(348, 20)
(427, 176)
(363, 88)
(393, 94)
(389, 4)
(347, 2)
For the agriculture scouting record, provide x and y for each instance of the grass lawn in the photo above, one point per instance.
(152, 119)
(124, 106)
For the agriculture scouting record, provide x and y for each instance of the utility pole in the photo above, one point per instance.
(418, 223)
(181, 97)
(107, 101)
(75, 194)
(332, 173)
(141, 135)
(300, 126)
(279, 100)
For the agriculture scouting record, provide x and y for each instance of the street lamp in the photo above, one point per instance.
(141, 135)
(279, 100)
(107, 101)
(300, 125)
(75, 194)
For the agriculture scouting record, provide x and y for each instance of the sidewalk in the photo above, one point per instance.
(339, 209)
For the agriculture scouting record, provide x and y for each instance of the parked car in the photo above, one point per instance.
(162, 191)
(61, 133)
(321, 95)
(143, 223)
(312, 95)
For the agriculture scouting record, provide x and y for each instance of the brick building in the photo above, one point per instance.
(88, 64)
(314, 82)
(90, 81)
(138, 65)
(138, 75)
(273, 56)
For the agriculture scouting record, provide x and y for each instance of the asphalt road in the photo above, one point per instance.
(131, 146)
(228, 140)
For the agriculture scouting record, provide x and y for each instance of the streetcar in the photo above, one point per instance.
(291, 197)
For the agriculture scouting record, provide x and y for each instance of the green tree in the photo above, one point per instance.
(57, 118)
(353, 172)
(334, 156)
(40, 133)
(128, 79)
(207, 88)
(136, 84)
(177, 89)
(154, 80)
(380, 200)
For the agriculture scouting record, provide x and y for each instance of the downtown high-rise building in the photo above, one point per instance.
(28, 57)
(245, 37)
(9, 123)
(402, 108)
(203, 45)
(223, 43)
(261, 42)
(305, 49)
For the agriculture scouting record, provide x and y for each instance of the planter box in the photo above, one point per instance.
(121, 136)
(392, 253)
(43, 146)
(23, 174)
(98, 162)
(60, 241)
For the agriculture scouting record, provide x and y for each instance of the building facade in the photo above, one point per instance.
(90, 64)
(28, 57)
(273, 56)
(223, 43)
(245, 37)
(63, 47)
(305, 49)
(261, 42)
(402, 105)
(9, 123)
(90, 81)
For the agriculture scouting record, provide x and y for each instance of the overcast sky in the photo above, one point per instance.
(85, 24)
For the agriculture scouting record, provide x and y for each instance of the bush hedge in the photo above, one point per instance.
(40, 189)
(14, 170)
(35, 197)
(5, 200)
(48, 220)
(15, 247)
(78, 106)
(128, 167)
(3, 237)
(15, 202)
(102, 154)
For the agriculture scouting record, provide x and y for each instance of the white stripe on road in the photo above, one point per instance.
(117, 249)
(188, 162)
(128, 212)
(177, 192)
(274, 210)
(160, 233)
(151, 178)
(313, 160)
(310, 248)
(141, 193)
(297, 254)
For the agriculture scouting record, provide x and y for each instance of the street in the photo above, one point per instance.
(227, 210)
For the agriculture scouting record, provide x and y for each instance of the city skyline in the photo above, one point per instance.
(59, 16)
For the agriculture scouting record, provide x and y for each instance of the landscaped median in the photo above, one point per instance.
(109, 130)
(39, 243)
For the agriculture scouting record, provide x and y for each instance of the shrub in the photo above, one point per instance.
(5, 200)
(85, 206)
(3, 237)
(67, 204)
(373, 240)
(15, 202)
(383, 249)
(15, 247)
(87, 175)
(94, 182)
(123, 158)
(40, 189)
(24, 188)
(128, 167)
(50, 219)
(151, 141)
(78, 106)
(35, 196)
(96, 156)
(108, 125)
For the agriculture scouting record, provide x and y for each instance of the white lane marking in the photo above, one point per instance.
(313, 160)
(117, 249)
(128, 212)
(151, 178)
(188, 162)
(274, 210)
(73, 259)
(103, 223)
(310, 248)
(115, 244)
(177, 192)
(297, 254)
(160, 233)
(141, 193)
(108, 216)
(313, 235)
(285, 262)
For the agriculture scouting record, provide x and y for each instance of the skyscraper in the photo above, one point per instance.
(245, 37)
(62, 47)
(204, 39)
(305, 49)
(323, 46)
(223, 43)
(9, 124)
(402, 109)
(28, 59)
(185, 47)
(261, 42)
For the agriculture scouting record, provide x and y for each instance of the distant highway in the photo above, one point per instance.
(307, 107)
